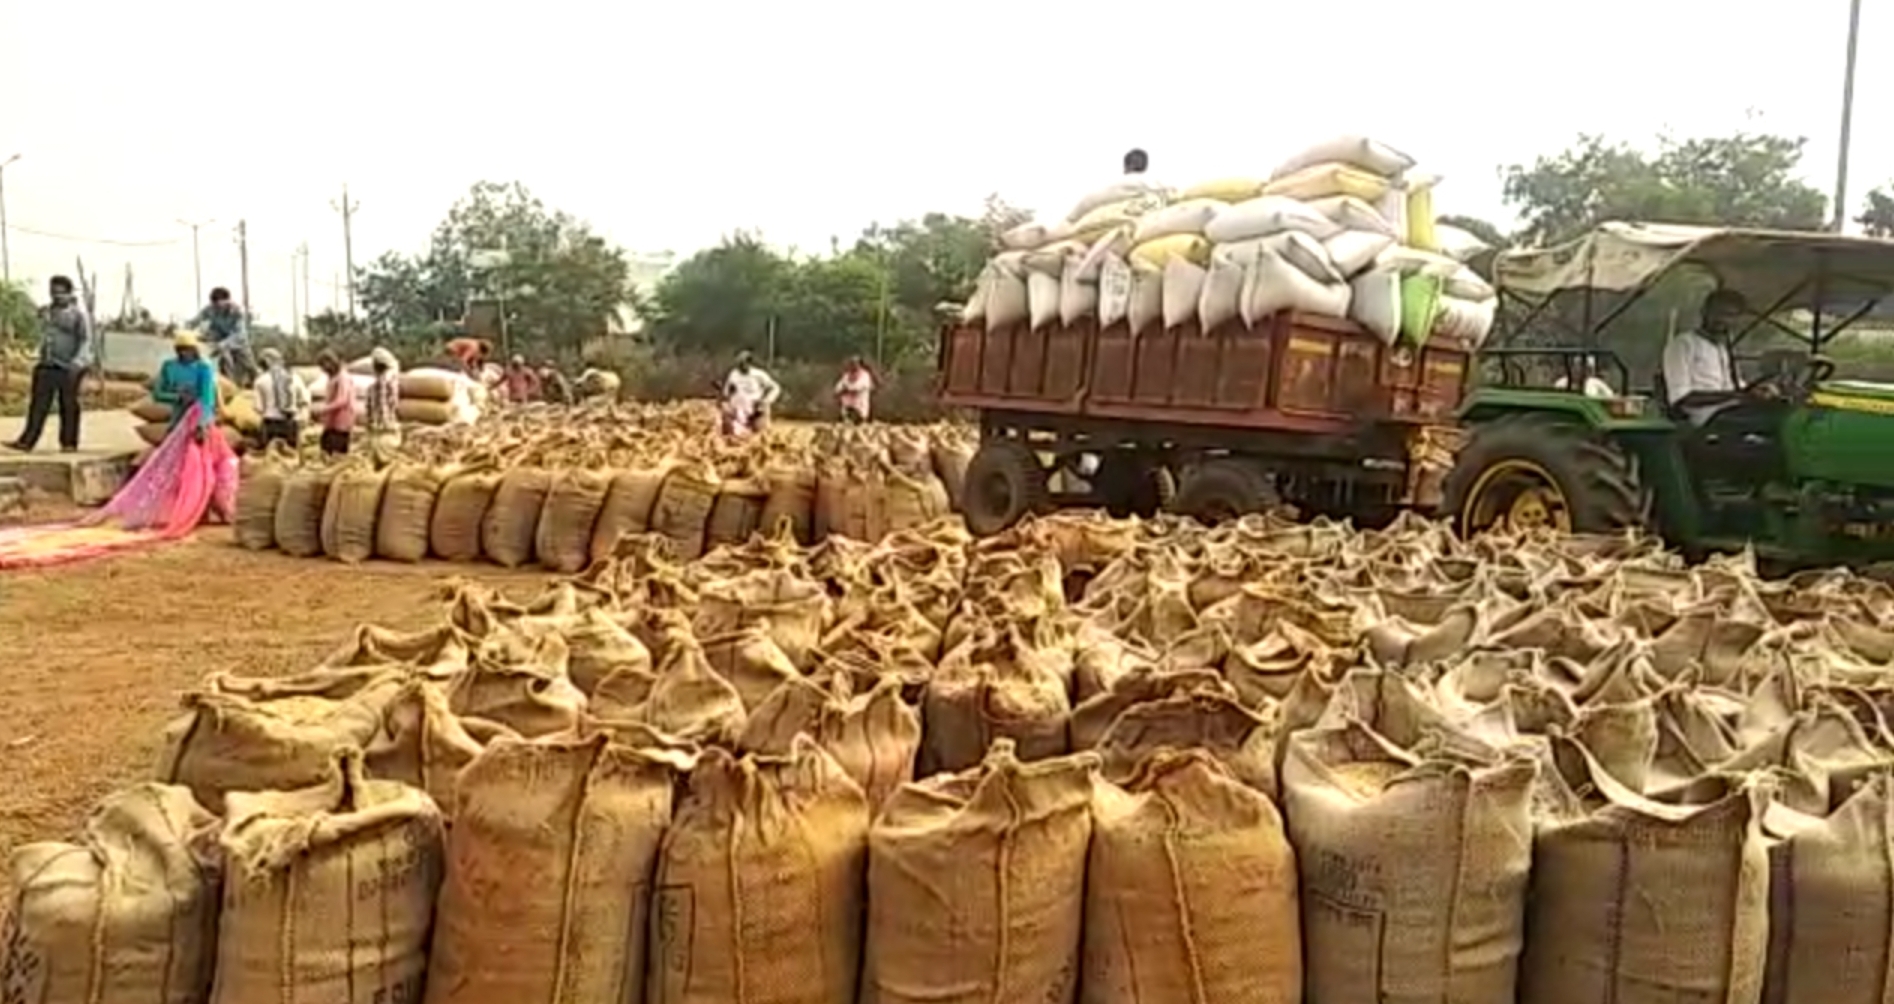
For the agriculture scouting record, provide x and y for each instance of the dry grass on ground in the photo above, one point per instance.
(93, 656)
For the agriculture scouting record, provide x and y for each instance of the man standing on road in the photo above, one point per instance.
(225, 327)
(65, 353)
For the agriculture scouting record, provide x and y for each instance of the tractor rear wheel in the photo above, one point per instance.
(1005, 484)
(1537, 470)
(1224, 489)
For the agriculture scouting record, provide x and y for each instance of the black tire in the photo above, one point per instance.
(1596, 480)
(1132, 485)
(1222, 489)
(1005, 484)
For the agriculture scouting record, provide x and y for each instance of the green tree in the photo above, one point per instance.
(19, 318)
(564, 285)
(1877, 214)
(1743, 179)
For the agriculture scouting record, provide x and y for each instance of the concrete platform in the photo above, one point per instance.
(89, 477)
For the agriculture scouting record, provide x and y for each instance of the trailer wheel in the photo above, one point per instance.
(1224, 489)
(1132, 485)
(1005, 484)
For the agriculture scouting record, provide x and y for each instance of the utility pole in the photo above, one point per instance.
(243, 260)
(295, 308)
(6, 258)
(1847, 115)
(197, 259)
(347, 209)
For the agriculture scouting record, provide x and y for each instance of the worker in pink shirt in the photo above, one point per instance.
(337, 414)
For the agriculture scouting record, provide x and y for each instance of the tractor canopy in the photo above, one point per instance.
(1834, 279)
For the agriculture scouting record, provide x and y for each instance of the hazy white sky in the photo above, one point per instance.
(669, 124)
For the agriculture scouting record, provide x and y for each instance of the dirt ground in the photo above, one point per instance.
(93, 656)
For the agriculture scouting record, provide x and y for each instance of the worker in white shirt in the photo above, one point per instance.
(1699, 368)
(282, 399)
(748, 394)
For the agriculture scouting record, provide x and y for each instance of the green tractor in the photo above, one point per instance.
(1800, 467)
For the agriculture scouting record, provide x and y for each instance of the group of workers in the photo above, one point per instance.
(748, 393)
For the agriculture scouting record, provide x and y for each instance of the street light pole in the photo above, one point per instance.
(197, 260)
(6, 258)
(1847, 115)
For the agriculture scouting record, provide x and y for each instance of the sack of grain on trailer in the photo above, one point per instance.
(1232, 189)
(1458, 244)
(1045, 270)
(1267, 215)
(1182, 283)
(1221, 298)
(1292, 271)
(1352, 213)
(126, 915)
(1129, 196)
(1355, 251)
(1031, 236)
(1078, 279)
(1418, 193)
(1114, 292)
(1357, 152)
(1187, 218)
(1000, 296)
(313, 876)
(1156, 252)
(1144, 304)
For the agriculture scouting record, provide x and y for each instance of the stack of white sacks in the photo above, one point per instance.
(1343, 229)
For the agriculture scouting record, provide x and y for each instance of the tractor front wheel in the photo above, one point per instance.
(1535, 470)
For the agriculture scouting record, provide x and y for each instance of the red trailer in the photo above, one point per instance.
(1305, 410)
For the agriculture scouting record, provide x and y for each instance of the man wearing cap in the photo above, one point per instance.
(65, 353)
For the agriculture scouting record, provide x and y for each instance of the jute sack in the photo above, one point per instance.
(688, 699)
(627, 509)
(521, 683)
(683, 507)
(259, 489)
(993, 685)
(407, 511)
(299, 512)
(348, 517)
(737, 513)
(751, 662)
(791, 502)
(1639, 902)
(874, 737)
(563, 539)
(1210, 720)
(791, 607)
(1831, 895)
(225, 743)
(511, 523)
(597, 646)
(950, 460)
(329, 892)
(1141, 684)
(759, 883)
(548, 874)
(422, 743)
(1413, 869)
(1191, 891)
(127, 916)
(976, 885)
(459, 512)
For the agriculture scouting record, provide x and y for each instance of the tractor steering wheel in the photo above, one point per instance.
(1796, 384)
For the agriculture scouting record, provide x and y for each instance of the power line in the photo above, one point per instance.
(33, 232)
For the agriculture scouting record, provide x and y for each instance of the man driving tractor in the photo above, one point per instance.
(1700, 368)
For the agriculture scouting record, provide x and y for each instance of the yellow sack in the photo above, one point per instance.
(1186, 247)
(1112, 216)
(1322, 181)
(1225, 189)
(1420, 215)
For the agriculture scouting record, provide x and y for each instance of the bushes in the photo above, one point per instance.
(906, 393)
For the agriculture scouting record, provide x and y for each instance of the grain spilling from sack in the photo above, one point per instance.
(1191, 893)
(976, 884)
(759, 883)
(1636, 901)
(548, 874)
(1413, 870)
(126, 916)
(329, 892)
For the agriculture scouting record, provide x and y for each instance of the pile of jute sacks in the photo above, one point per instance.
(559, 486)
(1116, 762)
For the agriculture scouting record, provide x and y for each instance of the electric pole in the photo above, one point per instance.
(243, 260)
(1847, 115)
(295, 308)
(197, 260)
(347, 209)
(308, 305)
(6, 259)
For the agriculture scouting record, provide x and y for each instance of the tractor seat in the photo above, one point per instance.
(1661, 391)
